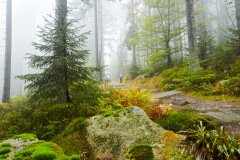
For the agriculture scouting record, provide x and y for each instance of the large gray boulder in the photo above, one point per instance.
(112, 136)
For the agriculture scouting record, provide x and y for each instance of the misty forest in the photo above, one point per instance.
(120, 79)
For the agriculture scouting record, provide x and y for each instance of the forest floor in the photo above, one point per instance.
(227, 114)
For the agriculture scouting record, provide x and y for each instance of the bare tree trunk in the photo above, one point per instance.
(192, 39)
(101, 55)
(8, 52)
(237, 6)
(96, 36)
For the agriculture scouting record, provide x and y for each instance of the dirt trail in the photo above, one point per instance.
(227, 114)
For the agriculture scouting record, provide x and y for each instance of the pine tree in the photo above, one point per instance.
(63, 63)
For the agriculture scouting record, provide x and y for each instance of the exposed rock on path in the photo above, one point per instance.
(226, 113)
(168, 93)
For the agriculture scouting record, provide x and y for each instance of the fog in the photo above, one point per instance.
(27, 15)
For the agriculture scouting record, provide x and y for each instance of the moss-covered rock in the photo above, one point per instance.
(111, 137)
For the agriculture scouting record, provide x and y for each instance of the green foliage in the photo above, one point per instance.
(178, 120)
(234, 41)
(212, 144)
(58, 115)
(133, 71)
(45, 120)
(228, 87)
(222, 58)
(140, 152)
(74, 157)
(4, 150)
(205, 45)
(182, 78)
(63, 64)
(76, 125)
(15, 117)
(73, 139)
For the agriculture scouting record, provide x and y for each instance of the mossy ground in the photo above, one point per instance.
(179, 121)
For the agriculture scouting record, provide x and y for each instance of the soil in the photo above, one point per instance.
(227, 114)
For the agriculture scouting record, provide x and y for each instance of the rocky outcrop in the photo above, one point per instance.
(112, 136)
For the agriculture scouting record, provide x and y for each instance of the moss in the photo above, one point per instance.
(74, 157)
(5, 145)
(26, 137)
(140, 152)
(43, 155)
(4, 150)
(40, 150)
(3, 157)
(179, 121)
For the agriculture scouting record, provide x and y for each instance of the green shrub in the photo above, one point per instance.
(75, 126)
(43, 155)
(140, 152)
(212, 144)
(179, 120)
(73, 139)
(4, 150)
(74, 157)
(228, 87)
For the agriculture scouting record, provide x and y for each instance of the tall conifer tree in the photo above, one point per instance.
(63, 63)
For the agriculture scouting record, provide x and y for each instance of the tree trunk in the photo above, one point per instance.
(237, 6)
(192, 40)
(8, 52)
(96, 36)
(101, 55)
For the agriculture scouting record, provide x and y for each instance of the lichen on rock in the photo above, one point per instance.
(112, 136)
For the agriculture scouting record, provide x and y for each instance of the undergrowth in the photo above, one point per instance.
(73, 139)
(212, 144)
(122, 98)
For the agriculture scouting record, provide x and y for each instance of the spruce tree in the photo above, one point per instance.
(63, 63)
